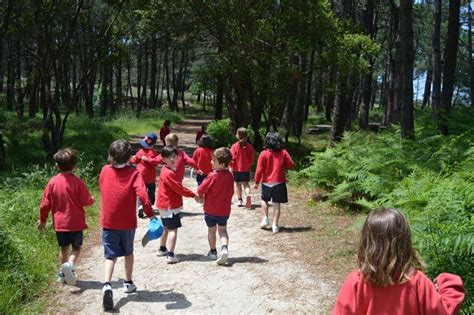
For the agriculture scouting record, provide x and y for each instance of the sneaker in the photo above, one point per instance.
(107, 297)
(69, 276)
(222, 258)
(129, 287)
(248, 202)
(172, 259)
(275, 228)
(265, 223)
(141, 214)
(162, 252)
(212, 256)
(241, 203)
(60, 277)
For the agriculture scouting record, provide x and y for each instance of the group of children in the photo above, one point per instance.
(389, 278)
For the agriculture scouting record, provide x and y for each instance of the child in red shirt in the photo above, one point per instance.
(243, 154)
(271, 166)
(217, 190)
(165, 130)
(66, 195)
(203, 157)
(170, 202)
(201, 133)
(390, 278)
(146, 166)
(120, 185)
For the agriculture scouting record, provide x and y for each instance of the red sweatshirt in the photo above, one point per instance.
(164, 131)
(146, 168)
(203, 157)
(120, 188)
(199, 134)
(271, 166)
(416, 296)
(66, 195)
(217, 190)
(242, 157)
(171, 190)
(181, 160)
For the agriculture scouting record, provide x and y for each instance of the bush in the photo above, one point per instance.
(221, 133)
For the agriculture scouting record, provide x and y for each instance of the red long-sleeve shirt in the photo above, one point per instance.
(146, 168)
(271, 166)
(120, 188)
(171, 190)
(203, 157)
(181, 160)
(217, 190)
(416, 296)
(242, 157)
(66, 195)
(164, 131)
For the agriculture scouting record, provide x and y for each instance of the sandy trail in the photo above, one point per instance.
(259, 278)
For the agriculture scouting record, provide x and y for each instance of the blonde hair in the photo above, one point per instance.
(386, 255)
(242, 135)
(223, 156)
(172, 139)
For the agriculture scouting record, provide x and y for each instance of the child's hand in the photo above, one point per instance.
(144, 158)
(255, 186)
(153, 217)
(198, 199)
(200, 172)
(41, 226)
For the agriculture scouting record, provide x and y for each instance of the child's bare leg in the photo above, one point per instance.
(109, 269)
(211, 236)
(246, 188)
(265, 208)
(276, 213)
(164, 237)
(238, 187)
(128, 267)
(76, 251)
(172, 236)
(223, 235)
(63, 254)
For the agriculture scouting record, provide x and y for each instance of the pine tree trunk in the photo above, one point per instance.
(118, 84)
(153, 66)
(219, 97)
(19, 94)
(436, 43)
(427, 92)
(470, 52)
(145, 76)
(10, 77)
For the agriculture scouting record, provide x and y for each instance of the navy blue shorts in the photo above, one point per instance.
(173, 222)
(212, 220)
(200, 178)
(117, 243)
(277, 193)
(70, 238)
(241, 177)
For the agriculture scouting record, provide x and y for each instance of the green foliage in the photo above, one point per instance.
(221, 133)
(430, 179)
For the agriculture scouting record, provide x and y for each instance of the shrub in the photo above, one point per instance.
(221, 133)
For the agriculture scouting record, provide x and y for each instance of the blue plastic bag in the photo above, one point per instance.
(155, 230)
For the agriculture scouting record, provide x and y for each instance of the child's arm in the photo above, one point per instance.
(155, 161)
(250, 153)
(259, 170)
(137, 158)
(289, 161)
(45, 207)
(190, 162)
(446, 300)
(175, 184)
(86, 199)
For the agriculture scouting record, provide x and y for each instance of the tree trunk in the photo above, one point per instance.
(427, 92)
(129, 82)
(10, 76)
(139, 79)
(309, 85)
(167, 78)
(470, 52)
(341, 110)
(19, 94)
(145, 76)
(118, 84)
(436, 43)
(153, 66)
(219, 97)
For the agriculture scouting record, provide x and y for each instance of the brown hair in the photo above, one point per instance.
(223, 155)
(386, 254)
(172, 139)
(120, 152)
(242, 135)
(66, 159)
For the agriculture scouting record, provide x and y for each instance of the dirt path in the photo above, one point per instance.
(259, 277)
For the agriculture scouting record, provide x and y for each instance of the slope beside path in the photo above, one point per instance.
(259, 277)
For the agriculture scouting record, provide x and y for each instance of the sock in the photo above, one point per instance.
(163, 248)
(213, 251)
(107, 283)
(171, 254)
(129, 282)
(224, 246)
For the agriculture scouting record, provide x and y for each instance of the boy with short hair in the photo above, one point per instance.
(170, 202)
(217, 190)
(66, 195)
(120, 185)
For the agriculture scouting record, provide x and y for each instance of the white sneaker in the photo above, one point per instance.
(275, 229)
(107, 297)
(172, 259)
(129, 287)
(265, 223)
(161, 252)
(69, 276)
(223, 255)
(60, 277)
(211, 255)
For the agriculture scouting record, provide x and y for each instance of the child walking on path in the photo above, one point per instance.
(170, 203)
(165, 130)
(217, 190)
(66, 195)
(271, 167)
(390, 278)
(203, 157)
(243, 155)
(146, 166)
(120, 185)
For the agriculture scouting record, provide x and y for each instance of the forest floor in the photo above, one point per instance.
(298, 270)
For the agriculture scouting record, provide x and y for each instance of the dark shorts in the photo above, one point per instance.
(276, 193)
(241, 177)
(117, 243)
(200, 178)
(151, 190)
(172, 223)
(70, 238)
(212, 220)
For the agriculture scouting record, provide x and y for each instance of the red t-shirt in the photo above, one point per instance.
(203, 157)
(416, 296)
(242, 157)
(181, 160)
(199, 134)
(120, 188)
(217, 190)
(164, 131)
(271, 166)
(171, 190)
(66, 195)
(146, 168)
